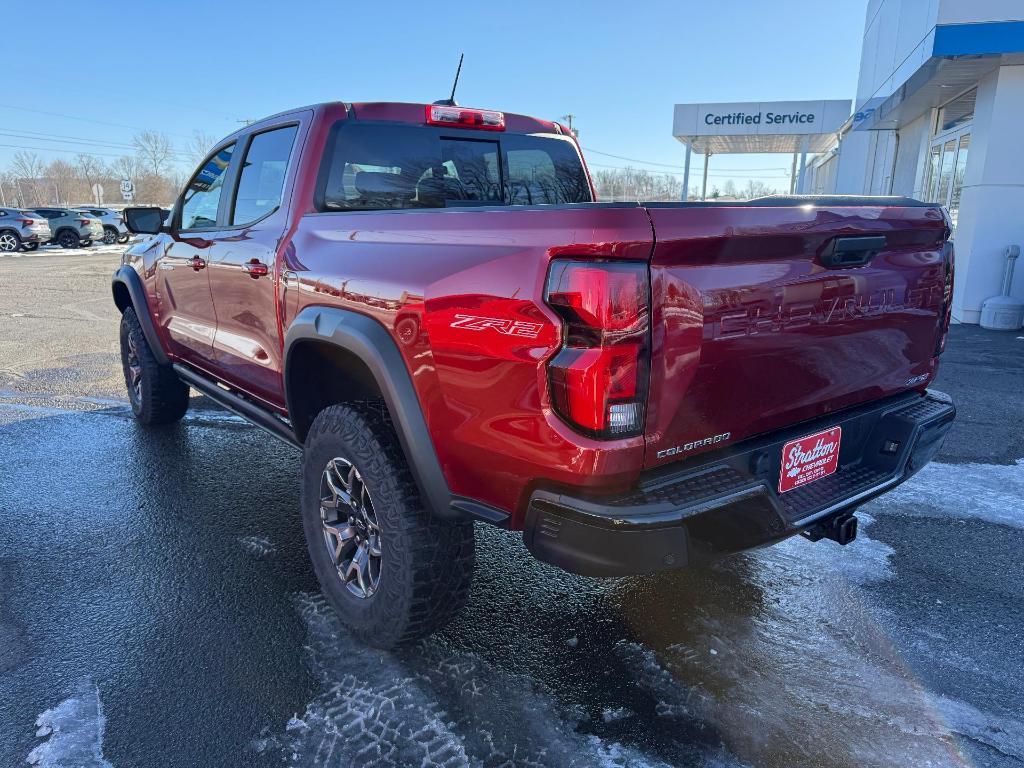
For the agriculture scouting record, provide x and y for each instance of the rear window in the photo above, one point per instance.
(373, 166)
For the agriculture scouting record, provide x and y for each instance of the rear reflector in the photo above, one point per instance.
(457, 117)
(599, 377)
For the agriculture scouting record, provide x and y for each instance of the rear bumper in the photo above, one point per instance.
(728, 501)
(35, 236)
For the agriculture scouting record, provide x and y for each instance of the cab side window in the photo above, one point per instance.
(202, 196)
(261, 181)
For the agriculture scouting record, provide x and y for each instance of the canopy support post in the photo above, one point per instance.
(704, 185)
(686, 173)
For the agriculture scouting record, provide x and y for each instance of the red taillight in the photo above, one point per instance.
(948, 263)
(27, 222)
(599, 377)
(84, 222)
(457, 117)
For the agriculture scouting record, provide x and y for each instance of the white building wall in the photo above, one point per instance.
(912, 145)
(992, 204)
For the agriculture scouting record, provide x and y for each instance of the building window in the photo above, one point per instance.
(957, 112)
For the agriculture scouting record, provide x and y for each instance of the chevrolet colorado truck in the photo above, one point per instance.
(428, 302)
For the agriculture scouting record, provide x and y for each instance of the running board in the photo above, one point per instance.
(249, 411)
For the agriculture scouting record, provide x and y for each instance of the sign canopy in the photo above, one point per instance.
(760, 126)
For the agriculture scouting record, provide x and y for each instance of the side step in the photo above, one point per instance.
(248, 410)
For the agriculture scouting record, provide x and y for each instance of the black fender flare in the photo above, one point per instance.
(368, 340)
(129, 278)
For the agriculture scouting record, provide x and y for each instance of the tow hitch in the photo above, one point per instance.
(841, 529)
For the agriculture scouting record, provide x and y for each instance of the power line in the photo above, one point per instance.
(83, 119)
(730, 174)
(87, 144)
(669, 165)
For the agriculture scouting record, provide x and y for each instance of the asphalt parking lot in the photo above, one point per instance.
(157, 607)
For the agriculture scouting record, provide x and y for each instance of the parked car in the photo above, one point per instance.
(426, 300)
(114, 230)
(22, 229)
(70, 228)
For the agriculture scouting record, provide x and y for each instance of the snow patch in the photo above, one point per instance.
(430, 706)
(73, 731)
(989, 492)
(259, 547)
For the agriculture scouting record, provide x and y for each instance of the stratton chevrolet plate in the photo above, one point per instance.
(809, 458)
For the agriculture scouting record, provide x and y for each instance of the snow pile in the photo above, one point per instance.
(73, 731)
(989, 492)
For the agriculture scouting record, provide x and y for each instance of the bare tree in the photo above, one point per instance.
(729, 190)
(62, 177)
(631, 184)
(154, 150)
(27, 169)
(199, 146)
(126, 167)
(756, 188)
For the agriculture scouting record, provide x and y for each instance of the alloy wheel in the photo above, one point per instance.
(350, 529)
(8, 243)
(109, 237)
(134, 370)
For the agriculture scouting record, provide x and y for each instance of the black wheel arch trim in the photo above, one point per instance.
(370, 341)
(130, 279)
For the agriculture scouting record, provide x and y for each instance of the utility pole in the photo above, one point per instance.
(568, 119)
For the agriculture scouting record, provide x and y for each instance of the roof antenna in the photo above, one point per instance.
(450, 101)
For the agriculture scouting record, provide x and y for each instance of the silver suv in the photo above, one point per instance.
(22, 229)
(114, 230)
(69, 228)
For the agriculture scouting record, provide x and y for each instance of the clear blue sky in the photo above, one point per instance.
(619, 67)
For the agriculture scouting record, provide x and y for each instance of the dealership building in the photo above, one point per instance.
(938, 115)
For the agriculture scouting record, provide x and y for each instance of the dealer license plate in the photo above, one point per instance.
(809, 458)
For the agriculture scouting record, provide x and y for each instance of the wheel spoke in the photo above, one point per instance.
(351, 530)
(339, 536)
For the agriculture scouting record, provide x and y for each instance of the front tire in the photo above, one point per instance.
(392, 571)
(122, 239)
(156, 393)
(30, 246)
(109, 236)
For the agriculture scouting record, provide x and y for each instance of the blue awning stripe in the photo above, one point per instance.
(979, 39)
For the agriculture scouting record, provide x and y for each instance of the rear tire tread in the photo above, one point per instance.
(164, 396)
(428, 569)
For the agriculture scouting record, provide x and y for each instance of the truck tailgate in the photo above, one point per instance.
(757, 326)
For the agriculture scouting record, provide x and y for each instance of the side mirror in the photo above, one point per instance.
(144, 221)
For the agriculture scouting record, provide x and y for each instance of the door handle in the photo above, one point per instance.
(197, 263)
(256, 269)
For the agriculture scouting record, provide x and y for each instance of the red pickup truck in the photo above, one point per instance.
(427, 301)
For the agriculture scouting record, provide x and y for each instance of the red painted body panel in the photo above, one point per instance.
(483, 392)
(749, 331)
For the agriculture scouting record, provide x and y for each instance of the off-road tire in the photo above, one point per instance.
(426, 565)
(161, 397)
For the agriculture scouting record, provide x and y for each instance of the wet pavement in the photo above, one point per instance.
(157, 607)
